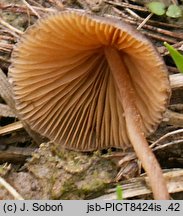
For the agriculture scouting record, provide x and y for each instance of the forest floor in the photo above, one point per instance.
(45, 172)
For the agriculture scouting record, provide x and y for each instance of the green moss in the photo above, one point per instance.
(71, 175)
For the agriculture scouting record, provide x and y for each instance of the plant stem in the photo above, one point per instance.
(133, 124)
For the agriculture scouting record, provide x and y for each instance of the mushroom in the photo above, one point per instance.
(89, 82)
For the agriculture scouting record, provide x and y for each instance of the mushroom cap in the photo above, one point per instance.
(63, 86)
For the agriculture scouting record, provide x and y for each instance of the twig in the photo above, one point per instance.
(144, 21)
(20, 137)
(11, 127)
(138, 186)
(165, 136)
(165, 32)
(163, 51)
(148, 33)
(7, 25)
(159, 37)
(148, 27)
(132, 13)
(57, 3)
(127, 5)
(23, 9)
(168, 144)
(6, 47)
(173, 118)
(6, 37)
(15, 154)
(31, 8)
(9, 188)
(36, 3)
(136, 17)
(176, 81)
(176, 107)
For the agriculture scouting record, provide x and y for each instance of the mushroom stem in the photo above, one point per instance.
(134, 126)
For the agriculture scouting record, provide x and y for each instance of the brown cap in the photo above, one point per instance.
(64, 88)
